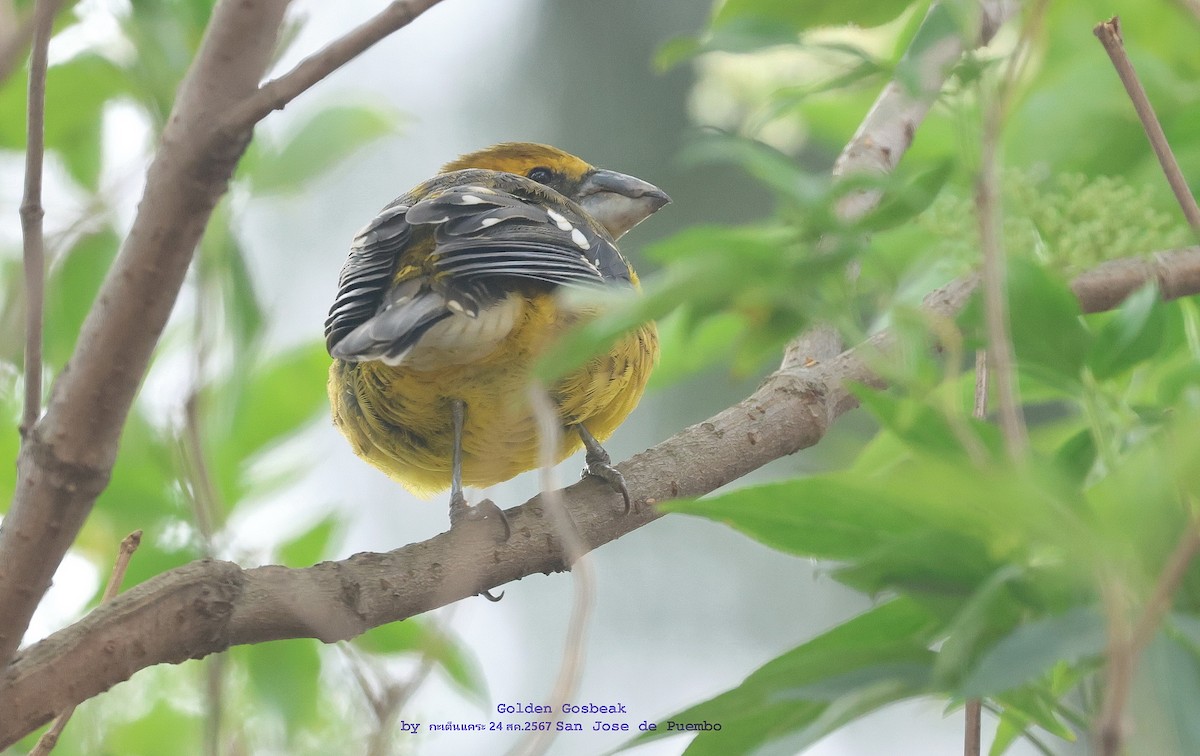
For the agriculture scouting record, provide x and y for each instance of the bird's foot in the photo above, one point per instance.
(599, 465)
(485, 511)
(462, 513)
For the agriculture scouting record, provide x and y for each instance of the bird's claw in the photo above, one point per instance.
(461, 512)
(599, 465)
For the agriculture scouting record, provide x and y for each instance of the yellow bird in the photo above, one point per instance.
(447, 300)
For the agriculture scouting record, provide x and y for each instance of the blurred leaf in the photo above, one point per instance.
(76, 93)
(278, 398)
(687, 349)
(908, 197)
(285, 673)
(800, 15)
(875, 658)
(310, 546)
(71, 289)
(415, 636)
(1165, 694)
(145, 736)
(1034, 648)
(1077, 455)
(990, 611)
(322, 142)
(1132, 334)
(1048, 336)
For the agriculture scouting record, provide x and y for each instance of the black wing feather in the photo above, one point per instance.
(485, 242)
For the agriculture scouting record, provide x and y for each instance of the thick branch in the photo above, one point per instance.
(208, 606)
(889, 127)
(68, 456)
(277, 93)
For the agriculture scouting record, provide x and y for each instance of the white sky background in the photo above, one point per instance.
(685, 608)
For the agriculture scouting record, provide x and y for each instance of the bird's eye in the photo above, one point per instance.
(541, 174)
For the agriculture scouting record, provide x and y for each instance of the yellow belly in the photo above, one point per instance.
(399, 420)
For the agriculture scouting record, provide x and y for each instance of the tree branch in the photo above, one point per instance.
(891, 124)
(207, 606)
(277, 93)
(32, 212)
(67, 457)
(1109, 34)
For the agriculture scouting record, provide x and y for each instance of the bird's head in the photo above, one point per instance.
(617, 201)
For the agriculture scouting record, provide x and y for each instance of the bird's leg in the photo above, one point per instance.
(600, 465)
(460, 510)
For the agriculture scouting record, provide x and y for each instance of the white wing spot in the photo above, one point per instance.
(579, 239)
(562, 223)
(471, 199)
(487, 222)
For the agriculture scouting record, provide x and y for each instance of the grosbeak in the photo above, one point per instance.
(449, 297)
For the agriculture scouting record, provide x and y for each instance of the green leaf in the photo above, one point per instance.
(987, 614)
(800, 15)
(319, 144)
(1132, 334)
(278, 399)
(1077, 455)
(1048, 335)
(1034, 648)
(827, 517)
(908, 197)
(310, 546)
(417, 636)
(145, 736)
(76, 93)
(285, 673)
(873, 659)
(1165, 694)
(72, 288)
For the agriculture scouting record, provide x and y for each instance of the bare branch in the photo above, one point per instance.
(207, 606)
(889, 127)
(67, 457)
(277, 93)
(1109, 34)
(129, 544)
(32, 211)
(1125, 644)
(1001, 359)
(972, 737)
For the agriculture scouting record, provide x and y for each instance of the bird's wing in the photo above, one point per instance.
(459, 250)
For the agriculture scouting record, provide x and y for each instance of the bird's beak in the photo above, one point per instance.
(618, 201)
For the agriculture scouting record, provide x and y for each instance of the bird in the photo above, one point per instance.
(451, 294)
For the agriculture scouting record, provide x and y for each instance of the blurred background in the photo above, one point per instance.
(685, 608)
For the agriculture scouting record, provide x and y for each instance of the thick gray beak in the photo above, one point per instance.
(618, 201)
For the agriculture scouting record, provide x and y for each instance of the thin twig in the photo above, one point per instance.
(1126, 642)
(1001, 360)
(129, 545)
(575, 557)
(972, 737)
(32, 211)
(277, 93)
(1109, 34)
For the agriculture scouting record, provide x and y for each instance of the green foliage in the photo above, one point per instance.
(1013, 560)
